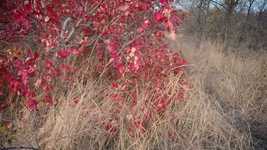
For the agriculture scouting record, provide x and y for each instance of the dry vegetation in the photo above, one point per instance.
(225, 106)
(226, 109)
(233, 85)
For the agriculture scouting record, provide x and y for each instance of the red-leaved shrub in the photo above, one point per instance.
(129, 35)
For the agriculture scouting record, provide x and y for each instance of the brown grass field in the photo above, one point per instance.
(226, 109)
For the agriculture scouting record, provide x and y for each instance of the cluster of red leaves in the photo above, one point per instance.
(127, 34)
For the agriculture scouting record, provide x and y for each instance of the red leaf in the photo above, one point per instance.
(114, 85)
(164, 1)
(31, 104)
(63, 53)
(48, 100)
(87, 31)
(49, 64)
(159, 17)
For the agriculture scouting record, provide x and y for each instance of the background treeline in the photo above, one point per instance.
(236, 23)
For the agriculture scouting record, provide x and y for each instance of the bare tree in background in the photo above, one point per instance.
(251, 2)
(236, 22)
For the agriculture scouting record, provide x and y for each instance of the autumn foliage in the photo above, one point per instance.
(124, 38)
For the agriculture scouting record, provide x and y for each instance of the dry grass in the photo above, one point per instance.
(235, 83)
(226, 109)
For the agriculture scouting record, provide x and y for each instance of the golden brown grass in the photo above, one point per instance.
(226, 109)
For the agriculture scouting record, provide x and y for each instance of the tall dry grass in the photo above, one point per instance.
(225, 109)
